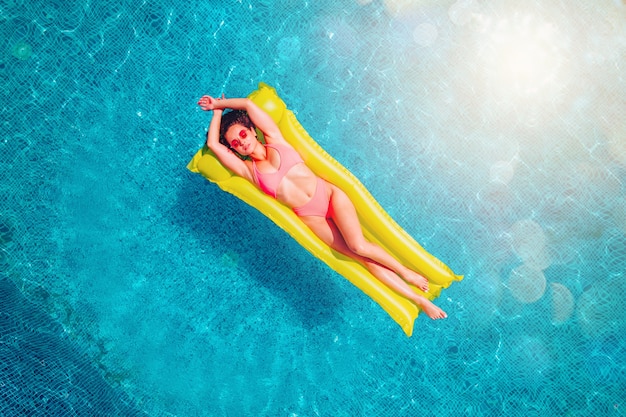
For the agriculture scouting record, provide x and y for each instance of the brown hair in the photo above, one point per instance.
(231, 118)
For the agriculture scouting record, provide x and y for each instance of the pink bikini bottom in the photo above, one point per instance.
(318, 205)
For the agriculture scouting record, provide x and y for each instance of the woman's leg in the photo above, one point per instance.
(327, 230)
(345, 217)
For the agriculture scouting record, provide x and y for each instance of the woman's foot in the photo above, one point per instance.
(430, 309)
(416, 279)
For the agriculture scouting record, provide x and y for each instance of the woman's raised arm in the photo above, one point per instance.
(259, 118)
(225, 155)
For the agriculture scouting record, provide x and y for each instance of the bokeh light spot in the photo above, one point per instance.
(528, 240)
(562, 303)
(601, 308)
(527, 284)
(22, 51)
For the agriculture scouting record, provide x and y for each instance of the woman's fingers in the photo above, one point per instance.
(206, 102)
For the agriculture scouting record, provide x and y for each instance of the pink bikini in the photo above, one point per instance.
(318, 205)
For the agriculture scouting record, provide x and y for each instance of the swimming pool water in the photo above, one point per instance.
(493, 132)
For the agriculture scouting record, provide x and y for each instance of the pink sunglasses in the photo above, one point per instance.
(236, 142)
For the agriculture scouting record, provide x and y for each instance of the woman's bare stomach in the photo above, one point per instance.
(297, 186)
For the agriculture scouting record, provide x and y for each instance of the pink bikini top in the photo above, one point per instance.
(269, 182)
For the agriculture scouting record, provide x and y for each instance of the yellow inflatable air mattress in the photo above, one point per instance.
(378, 226)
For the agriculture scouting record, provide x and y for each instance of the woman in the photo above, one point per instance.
(279, 171)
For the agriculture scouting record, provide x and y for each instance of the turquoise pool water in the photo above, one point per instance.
(493, 131)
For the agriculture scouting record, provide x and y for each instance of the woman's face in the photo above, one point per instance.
(241, 139)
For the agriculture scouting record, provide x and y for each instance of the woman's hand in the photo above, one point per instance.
(209, 103)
